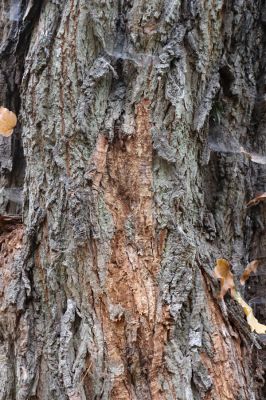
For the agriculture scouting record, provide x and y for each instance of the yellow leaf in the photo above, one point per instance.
(255, 325)
(251, 319)
(246, 308)
(8, 121)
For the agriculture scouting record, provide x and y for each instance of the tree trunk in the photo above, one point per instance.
(132, 114)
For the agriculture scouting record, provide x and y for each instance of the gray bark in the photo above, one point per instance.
(131, 118)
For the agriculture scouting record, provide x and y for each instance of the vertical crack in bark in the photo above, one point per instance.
(135, 333)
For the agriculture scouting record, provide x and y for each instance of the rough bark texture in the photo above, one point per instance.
(132, 114)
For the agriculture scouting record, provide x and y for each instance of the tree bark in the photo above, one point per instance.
(132, 115)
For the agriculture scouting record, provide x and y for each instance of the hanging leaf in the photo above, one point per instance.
(246, 308)
(8, 121)
(256, 200)
(255, 325)
(223, 272)
(251, 267)
(251, 319)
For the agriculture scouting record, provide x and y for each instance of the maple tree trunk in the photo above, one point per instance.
(131, 117)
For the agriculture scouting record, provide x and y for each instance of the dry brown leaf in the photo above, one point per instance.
(222, 272)
(256, 200)
(251, 267)
(8, 121)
